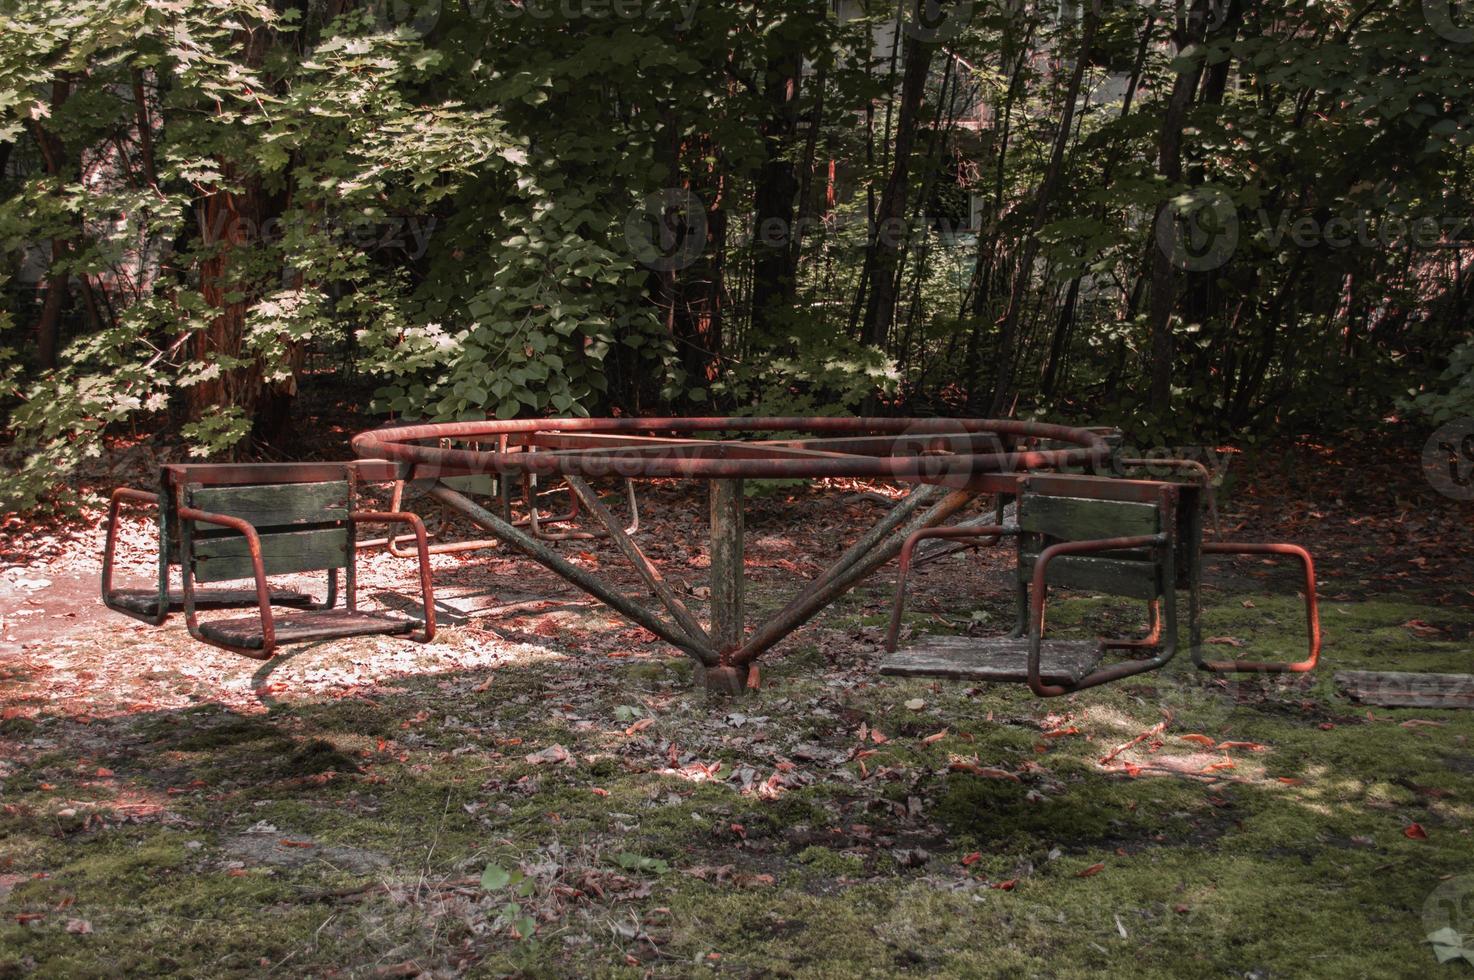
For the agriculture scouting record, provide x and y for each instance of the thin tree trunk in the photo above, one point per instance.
(1169, 165)
(1008, 325)
(777, 189)
(883, 253)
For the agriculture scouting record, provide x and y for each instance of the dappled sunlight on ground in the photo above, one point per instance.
(542, 791)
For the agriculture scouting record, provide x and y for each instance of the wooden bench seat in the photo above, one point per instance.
(992, 660)
(145, 602)
(305, 627)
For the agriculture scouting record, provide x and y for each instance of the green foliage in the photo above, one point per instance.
(445, 199)
(498, 879)
(1452, 395)
(630, 861)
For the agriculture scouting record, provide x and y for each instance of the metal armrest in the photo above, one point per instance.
(1039, 592)
(422, 544)
(1312, 611)
(115, 503)
(263, 593)
(994, 531)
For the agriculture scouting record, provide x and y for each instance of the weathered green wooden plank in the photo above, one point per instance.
(278, 505)
(318, 624)
(1400, 689)
(482, 484)
(1078, 518)
(1113, 576)
(146, 601)
(220, 559)
(992, 660)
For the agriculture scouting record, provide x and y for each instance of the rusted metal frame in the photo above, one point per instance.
(557, 439)
(1204, 475)
(835, 583)
(904, 444)
(700, 449)
(187, 518)
(534, 519)
(109, 550)
(429, 461)
(393, 544)
(591, 584)
(226, 474)
(1162, 542)
(647, 569)
(399, 444)
(521, 428)
(1312, 611)
(422, 543)
(937, 453)
(1153, 636)
(898, 514)
(396, 501)
(994, 532)
(929, 555)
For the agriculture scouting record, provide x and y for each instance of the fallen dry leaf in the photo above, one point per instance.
(553, 753)
(1419, 628)
(959, 764)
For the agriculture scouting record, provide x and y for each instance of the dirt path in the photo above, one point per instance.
(35, 608)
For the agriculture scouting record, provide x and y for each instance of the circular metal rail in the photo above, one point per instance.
(909, 449)
(951, 461)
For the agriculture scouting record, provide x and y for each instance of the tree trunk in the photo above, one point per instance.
(777, 189)
(1169, 165)
(1023, 276)
(883, 253)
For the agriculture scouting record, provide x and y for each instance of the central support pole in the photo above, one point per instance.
(728, 585)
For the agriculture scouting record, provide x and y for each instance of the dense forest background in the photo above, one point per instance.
(1194, 219)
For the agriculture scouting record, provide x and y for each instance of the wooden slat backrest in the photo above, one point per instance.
(1082, 518)
(302, 522)
(1049, 517)
(224, 558)
(277, 505)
